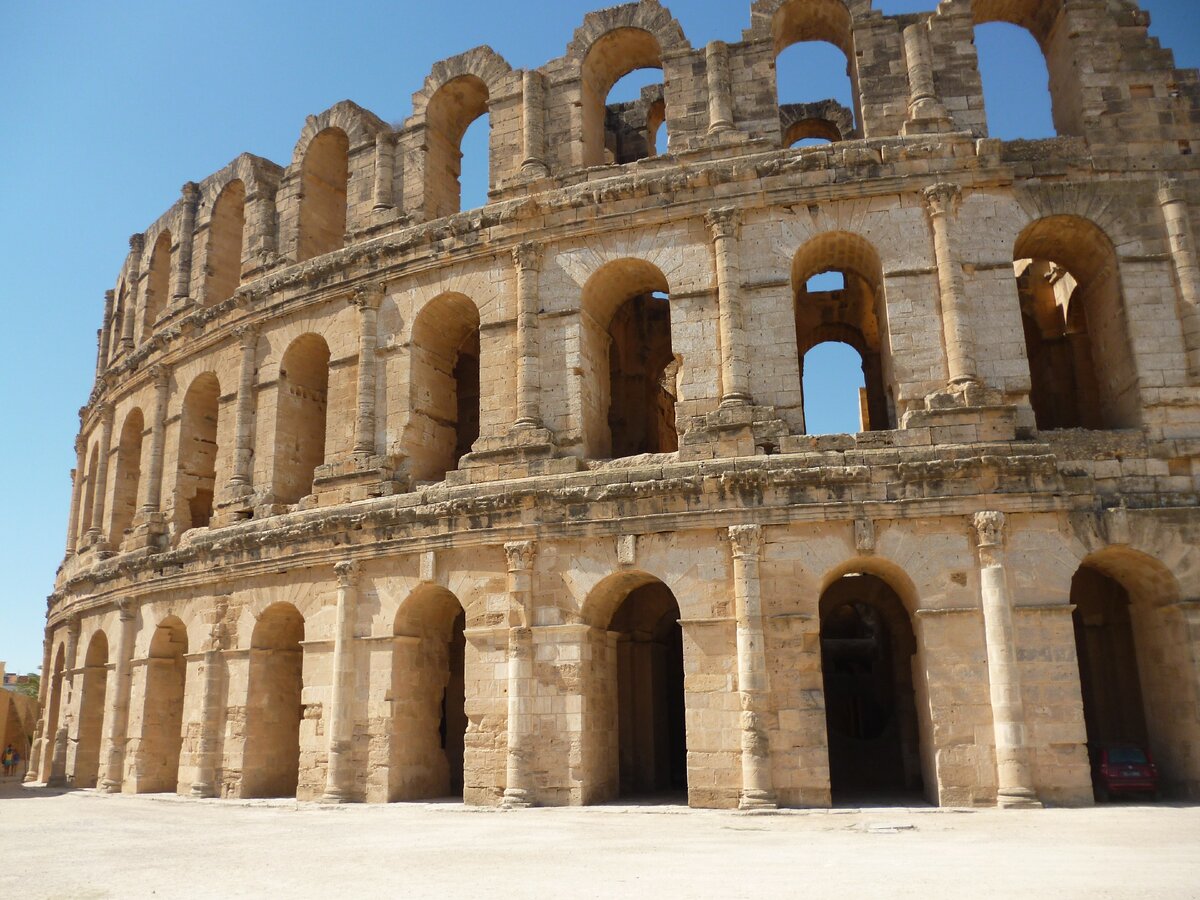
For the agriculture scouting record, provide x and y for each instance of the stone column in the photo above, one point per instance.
(725, 223)
(720, 93)
(758, 790)
(339, 782)
(956, 317)
(533, 129)
(259, 243)
(158, 438)
(528, 259)
(1015, 780)
(243, 451)
(117, 716)
(518, 790)
(105, 332)
(187, 229)
(77, 477)
(58, 759)
(137, 244)
(1187, 269)
(211, 701)
(96, 532)
(925, 110)
(39, 736)
(385, 169)
(367, 298)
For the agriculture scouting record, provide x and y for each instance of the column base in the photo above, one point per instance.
(359, 476)
(108, 787)
(202, 790)
(758, 801)
(516, 798)
(1017, 798)
(732, 429)
(336, 797)
(522, 453)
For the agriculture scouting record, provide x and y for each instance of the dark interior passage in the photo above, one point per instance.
(642, 372)
(652, 746)
(867, 644)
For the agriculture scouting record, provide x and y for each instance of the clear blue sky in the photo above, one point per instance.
(112, 106)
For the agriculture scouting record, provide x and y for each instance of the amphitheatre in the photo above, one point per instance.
(380, 499)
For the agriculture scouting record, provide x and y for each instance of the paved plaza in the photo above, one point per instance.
(84, 845)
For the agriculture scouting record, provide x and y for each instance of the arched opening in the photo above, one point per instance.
(324, 176)
(1081, 368)
(811, 133)
(631, 368)
(158, 284)
(834, 389)
(867, 648)
(429, 720)
(89, 493)
(271, 761)
(1037, 79)
(445, 385)
(53, 717)
(815, 61)
(197, 476)
(223, 268)
(632, 122)
(838, 283)
(1136, 673)
(117, 326)
(162, 712)
(128, 476)
(475, 177)
(91, 712)
(635, 118)
(300, 417)
(452, 109)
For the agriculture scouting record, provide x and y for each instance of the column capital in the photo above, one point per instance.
(247, 335)
(368, 296)
(137, 242)
(528, 255)
(385, 138)
(74, 622)
(160, 374)
(989, 528)
(746, 540)
(1170, 190)
(723, 222)
(941, 197)
(346, 572)
(520, 555)
(190, 191)
(126, 609)
(109, 296)
(105, 411)
(80, 443)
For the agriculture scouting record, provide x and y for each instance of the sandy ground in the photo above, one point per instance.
(83, 845)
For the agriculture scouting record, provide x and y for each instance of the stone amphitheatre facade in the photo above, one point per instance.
(379, 499)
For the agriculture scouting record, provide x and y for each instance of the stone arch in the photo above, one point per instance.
(226, 237)
(450, 111)
(1136, 662)
(324, 182)
(53, 714)
(300, 417)
(117, 325)
(482, 63)
(429, 719)
(630, 394)
(196, 479)
(89, 494)
(1087, 376)
(827, 120)
(445, 384)
(127, 481)
(271, 758)
(358, 125)
(612, 56)
(855, 314)
(162, 711)
(158, 283)
(91, 712)
(636, 736)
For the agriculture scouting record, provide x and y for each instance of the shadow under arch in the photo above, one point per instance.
(429, 719)
(271, 756)
(1136, 664)
(91, 713)
(636, 733)
(157, 756)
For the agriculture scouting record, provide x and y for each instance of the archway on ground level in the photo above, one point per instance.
(162, 713)
(837, 281)
(271, 760)
(445, 386)
(91, 712)
(630, 408)
(300, 418)
(867, 647)
(429, 720)
(1081, 366)
(53, 716)
(1136, 673)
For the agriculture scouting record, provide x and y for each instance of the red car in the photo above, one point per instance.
(1124, 769)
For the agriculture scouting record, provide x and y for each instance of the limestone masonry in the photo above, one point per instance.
(380, 499)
